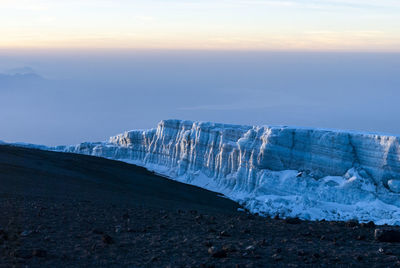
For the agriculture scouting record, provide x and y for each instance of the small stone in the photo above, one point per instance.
(23, 253)
(125, 216)
(302, 253)
(390, 259)
(41, 253)
(229, 248)
(154, 259)
(26, 233)
(3, 235)
(217, 253)
(193, 212)
(387, 235)
(262, 242)
(250, 217)
(208, 244)
(97, 231)
(107, 239)
(250, 248)
(277, 257)
(361, 237)
(370, 224)
(118, 228)
(316, 255)
(352, 223)
(306, 234)
(224, 233)
(292, 220)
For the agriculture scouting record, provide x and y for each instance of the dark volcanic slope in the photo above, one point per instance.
(66, 210)
(30, 172)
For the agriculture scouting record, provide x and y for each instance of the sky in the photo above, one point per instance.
(74, 71)
(79, 96)
(350, 25)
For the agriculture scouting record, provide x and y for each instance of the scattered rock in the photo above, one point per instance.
(208, 244)
(352, 223)
(302, 253)
(217, 252)
(26, 233)
(118, 228)
(22, 253)
(277, 257)
(361, 237)
(97, 231)
(262, 242)
(370, 224)
(250, 217)
(154, 259)
(193, 212)
(41, 253)
(107, 239)
(390, 259)
(229, 248)
(387, 235)
(250, 248)
(224, 233)
(125, 216)
(3, 235)
(293, 220)
(306, 234)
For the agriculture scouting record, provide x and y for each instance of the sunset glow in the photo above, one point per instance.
(368, 25)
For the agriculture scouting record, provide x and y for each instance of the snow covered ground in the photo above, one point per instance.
(309, 173)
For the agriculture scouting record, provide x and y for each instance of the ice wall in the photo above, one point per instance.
(311, 173)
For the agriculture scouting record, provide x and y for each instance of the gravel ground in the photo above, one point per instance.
(66, 210)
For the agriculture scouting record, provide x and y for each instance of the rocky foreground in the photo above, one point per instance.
(61, 210)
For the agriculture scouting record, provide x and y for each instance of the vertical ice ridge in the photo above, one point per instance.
(221, 149)
(294, 170)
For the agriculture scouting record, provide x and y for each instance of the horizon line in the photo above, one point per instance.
(183, 49)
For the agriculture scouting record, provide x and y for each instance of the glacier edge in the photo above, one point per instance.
(294, 172)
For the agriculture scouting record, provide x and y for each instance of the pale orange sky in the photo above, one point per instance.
(236, 24)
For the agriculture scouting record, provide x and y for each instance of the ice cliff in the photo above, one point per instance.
(309, 173)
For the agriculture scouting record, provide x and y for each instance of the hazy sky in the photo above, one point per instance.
(83, 70)
(89, 96)
(203, 24)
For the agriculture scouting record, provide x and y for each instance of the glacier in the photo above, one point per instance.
(309, 173)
